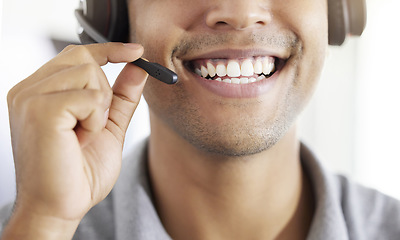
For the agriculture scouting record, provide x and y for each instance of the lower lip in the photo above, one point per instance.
(231, 90)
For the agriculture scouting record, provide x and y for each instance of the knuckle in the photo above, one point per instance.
(30, 106)
(29, 110)
(98, 96)
(89, 68)
(15, 98)
(103, 97)
(15, 101)
(11, 96)
(109, 93)
(15, 90)
(108, 96)
(69, 47)
(82, 52)
(91, 73)
(34, 103)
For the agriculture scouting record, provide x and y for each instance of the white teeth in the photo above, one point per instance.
(233, 69)
(244, 80)
(197, 71)
(260, 77)
(204, 72)
(258, 67)
(247, 68)
(238, 73)
(268, 66)
(241, 80)
(211, 70)
(235, 80)
(221, 70)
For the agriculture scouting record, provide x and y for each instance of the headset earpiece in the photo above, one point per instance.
(85, 38)
(345, 17)
(107, 20)
(103, 21)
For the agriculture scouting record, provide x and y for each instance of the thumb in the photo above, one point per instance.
(127, 90)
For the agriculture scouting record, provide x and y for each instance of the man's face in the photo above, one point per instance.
(274, 49)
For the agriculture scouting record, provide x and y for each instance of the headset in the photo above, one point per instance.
(107, 20)
(102, 21)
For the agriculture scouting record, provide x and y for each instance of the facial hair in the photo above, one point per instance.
(249, 133)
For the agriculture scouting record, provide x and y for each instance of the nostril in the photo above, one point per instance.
(261, 23)
(220, 23)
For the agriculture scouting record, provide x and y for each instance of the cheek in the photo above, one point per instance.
(164, 99)
(158, 25)
(311, 27)
(304, 17)
(307, 19)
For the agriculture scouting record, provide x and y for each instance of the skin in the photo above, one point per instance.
(235, 162)
(230, 180)
(61, 128)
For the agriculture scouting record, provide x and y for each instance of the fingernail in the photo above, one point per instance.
(133, 45)
(106, 114)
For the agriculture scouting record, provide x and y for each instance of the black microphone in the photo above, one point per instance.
(157, 71)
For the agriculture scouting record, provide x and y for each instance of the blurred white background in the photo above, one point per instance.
(352, 123)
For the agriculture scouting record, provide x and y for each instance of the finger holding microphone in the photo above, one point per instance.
(68, 127)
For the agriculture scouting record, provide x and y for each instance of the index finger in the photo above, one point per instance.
(102, 53)
(74, 55)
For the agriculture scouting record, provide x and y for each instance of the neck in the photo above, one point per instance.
(204, 196)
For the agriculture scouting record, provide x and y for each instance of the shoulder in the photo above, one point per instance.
(5, 213)
(369, 211)
(347, 210)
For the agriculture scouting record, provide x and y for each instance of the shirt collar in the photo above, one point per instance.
(137, 218)
(135, 214)
(328, 221)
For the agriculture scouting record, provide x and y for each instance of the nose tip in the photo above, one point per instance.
(238, 15)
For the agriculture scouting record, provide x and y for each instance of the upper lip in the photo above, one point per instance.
(236, 53)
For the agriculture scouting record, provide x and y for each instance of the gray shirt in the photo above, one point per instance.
(344, 210)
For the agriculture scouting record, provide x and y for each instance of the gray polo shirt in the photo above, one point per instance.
(344, 210)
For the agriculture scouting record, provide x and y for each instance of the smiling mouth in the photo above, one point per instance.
(236, 71)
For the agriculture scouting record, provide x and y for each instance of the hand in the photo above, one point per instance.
(68, 127)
